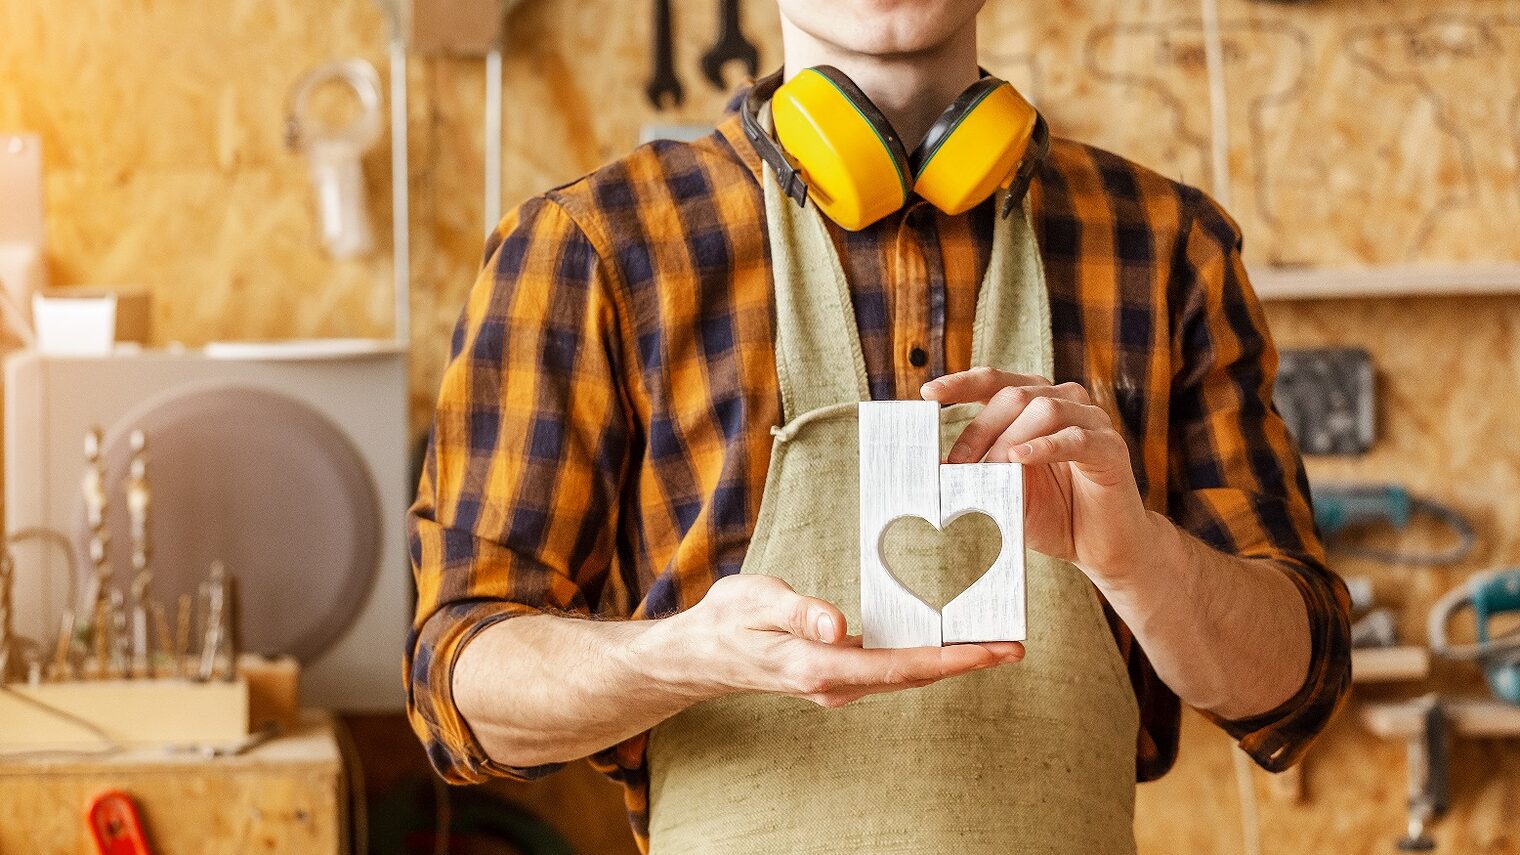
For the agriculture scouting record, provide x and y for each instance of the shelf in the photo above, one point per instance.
(1471, 717)
(1277, 283)
(1405, 664)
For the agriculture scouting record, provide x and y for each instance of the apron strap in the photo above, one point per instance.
(819, 360)
(1011, 331)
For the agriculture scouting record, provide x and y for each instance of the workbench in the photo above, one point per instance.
(287, 795)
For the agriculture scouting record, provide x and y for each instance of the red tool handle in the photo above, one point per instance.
(115, 826)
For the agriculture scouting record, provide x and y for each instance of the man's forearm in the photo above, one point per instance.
(545, 689)
(1230, 635)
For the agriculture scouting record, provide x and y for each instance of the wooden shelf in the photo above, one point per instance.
(1276, 283)
(1472, 717)
(1406, 664)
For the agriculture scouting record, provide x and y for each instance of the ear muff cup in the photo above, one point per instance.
(974, 146)
(857, 170)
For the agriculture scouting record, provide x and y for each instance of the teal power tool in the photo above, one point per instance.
(1488, 594)
(1339, 508)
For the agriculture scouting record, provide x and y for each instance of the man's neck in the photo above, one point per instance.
(910, 89)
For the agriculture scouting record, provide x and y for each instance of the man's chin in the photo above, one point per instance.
(885, 28)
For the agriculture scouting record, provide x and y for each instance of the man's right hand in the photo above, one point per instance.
(754, 634)
(543, 689)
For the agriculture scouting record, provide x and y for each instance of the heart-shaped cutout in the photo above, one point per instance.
(936, 566)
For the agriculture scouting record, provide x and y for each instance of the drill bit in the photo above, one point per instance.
(141, 658)
(182, 635)
(7, 633)
(216, 606)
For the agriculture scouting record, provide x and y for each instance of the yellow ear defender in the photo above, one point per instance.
(832, 145)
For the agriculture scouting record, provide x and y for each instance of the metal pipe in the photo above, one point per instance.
(492, 206)
(401, 239)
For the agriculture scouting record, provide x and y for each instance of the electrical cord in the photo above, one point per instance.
(1468, 539)
(109, 745)
(1502, 646)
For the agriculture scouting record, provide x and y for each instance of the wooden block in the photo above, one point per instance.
(1472, 717)
(130, 712)
(1406, 663)
(287, 795)
(274, 690)
(900, 475)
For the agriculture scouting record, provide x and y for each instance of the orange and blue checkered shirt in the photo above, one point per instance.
(603, 428)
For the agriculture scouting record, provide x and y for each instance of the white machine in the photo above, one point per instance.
(288, 462)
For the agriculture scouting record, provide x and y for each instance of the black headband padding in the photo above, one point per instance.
(875, 116)
(950, 119)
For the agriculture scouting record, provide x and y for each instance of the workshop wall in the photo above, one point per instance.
(1361, 133)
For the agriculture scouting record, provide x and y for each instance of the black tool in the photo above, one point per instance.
(731, 45)
(663, 84)
(1429, 779)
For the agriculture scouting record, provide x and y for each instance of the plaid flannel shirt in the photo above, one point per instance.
(603, 428)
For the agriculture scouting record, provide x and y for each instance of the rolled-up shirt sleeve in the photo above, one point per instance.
(1237, 481)
(517, 507)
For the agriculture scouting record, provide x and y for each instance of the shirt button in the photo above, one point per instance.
(918, 358)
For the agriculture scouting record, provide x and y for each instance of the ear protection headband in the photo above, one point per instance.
(834, 146)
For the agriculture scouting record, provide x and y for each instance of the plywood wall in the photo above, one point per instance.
(1356, 132)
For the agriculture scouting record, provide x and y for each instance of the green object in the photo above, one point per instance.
(1339, 508)
(1499, 594)
(1489, 594)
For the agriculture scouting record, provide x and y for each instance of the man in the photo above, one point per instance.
(604, 439)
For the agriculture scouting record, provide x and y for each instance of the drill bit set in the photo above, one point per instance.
(121, 669)
(111, 633)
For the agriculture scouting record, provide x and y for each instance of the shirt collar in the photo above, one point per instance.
(732, 130)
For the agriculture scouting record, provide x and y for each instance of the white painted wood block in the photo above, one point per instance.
(900, 475)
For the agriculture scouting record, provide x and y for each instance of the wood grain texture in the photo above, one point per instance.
(1468, 717)
(284, 796)
(1403, 664)
(901, 476)
(150, 712)
(161, 121)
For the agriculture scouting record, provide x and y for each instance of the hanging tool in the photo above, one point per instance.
(334, 154)
(1341, 507)
(663, 84)
(730, 46)
(1429, 778)
(115, 826)
(493, 123)
(1489, 595)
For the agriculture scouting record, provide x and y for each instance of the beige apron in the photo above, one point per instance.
(1035, 757)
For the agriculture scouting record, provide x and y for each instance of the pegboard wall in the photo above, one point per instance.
(1347, 133)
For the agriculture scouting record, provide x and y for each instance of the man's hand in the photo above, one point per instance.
(542, 689)
(1228, 634)
(1081, 501)
(755, 634)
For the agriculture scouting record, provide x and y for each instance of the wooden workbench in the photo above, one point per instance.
(287, 795)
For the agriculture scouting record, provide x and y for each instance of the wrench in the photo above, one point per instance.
(663, 83)
(731, 45)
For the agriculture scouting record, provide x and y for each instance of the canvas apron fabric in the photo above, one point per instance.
(1035, 757)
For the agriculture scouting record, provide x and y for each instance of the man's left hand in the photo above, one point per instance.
(1081, 502)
